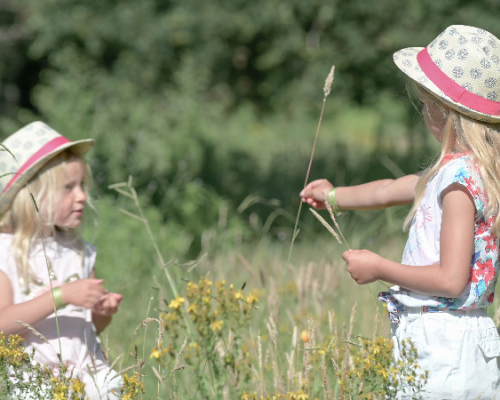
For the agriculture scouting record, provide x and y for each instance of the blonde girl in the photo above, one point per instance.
(40, 249)
(450, 265)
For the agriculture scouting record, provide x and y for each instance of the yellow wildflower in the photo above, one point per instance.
(78, 386)
(59, 396)
(155, 353)
(302, 396)
(207, 282)
(176, 304)
(192, 308)
(238, 295)
(251, 298)
(217, 325)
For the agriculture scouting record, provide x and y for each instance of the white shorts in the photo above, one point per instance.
(104, 385)
(459, 349)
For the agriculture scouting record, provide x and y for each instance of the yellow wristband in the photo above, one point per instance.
(58, 297)
(332, 202)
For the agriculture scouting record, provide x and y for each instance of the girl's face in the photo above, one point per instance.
(433, 116)
(72, 201)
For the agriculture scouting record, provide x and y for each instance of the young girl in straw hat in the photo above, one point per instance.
(450, 264)
(52, 169)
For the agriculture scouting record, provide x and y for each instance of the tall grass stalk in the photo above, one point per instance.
(132, 194)
(326, 90)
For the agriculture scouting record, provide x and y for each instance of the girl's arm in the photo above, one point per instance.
(368, 196)
(447, 279)
(30, 312)
(84, 292)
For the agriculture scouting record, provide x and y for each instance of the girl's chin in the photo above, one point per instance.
(70, 225)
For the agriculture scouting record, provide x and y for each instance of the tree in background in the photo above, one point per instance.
(203, 101)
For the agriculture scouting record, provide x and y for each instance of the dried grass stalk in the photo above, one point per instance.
(34, 331)
(353, 315)
(157, 374)
(332, 216)
(291, 369)
(179, 354)
(327, 226)
(377, 321)
(259, 347)
(324, 381)
(273, 333)
(113, 364)
(145, 322)
(306, 366)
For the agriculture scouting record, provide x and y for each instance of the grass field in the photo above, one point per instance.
(313, 293)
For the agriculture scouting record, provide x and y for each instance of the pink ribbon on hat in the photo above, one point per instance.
(453, 90)
(46, 149)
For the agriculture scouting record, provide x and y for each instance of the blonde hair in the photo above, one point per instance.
(19, 220)
(462, 134)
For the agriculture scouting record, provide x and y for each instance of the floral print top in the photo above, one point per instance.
(423, 245)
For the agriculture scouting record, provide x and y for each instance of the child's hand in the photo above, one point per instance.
(314, 193)
(108, 304)
(83, 292)
(362, 265)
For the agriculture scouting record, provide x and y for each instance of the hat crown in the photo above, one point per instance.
(23, 144)
(470, 57)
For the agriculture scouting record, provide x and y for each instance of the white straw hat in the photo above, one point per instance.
(461, 67)
(32, 146)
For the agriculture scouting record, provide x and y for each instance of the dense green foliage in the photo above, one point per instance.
(205, 103)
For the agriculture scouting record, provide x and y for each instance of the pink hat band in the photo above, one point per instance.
(46, 149)
(452, 89)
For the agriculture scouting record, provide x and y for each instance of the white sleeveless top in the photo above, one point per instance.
(69, 261)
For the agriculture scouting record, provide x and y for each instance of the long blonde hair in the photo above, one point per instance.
(19, 220)
(465, 134)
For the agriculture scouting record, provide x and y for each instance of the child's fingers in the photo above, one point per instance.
(118, 297)
(346, 255)
(307, 191)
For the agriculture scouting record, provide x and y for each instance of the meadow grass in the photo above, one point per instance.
(318, 300)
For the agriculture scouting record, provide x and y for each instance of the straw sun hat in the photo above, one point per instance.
(33, 146)
(461, 67)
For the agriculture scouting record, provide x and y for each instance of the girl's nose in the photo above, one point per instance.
(81, 197)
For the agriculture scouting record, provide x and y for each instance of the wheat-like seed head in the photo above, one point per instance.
(353, 315)
(34, 331)
(328, 83)
(326, 225)
(179, 354)
(145, 322)
(324, 381)
(332, 216)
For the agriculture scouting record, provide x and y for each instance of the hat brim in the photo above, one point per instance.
(406, 61)
(79, 147)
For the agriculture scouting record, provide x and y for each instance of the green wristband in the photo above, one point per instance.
(332, 202)
(57, 296)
